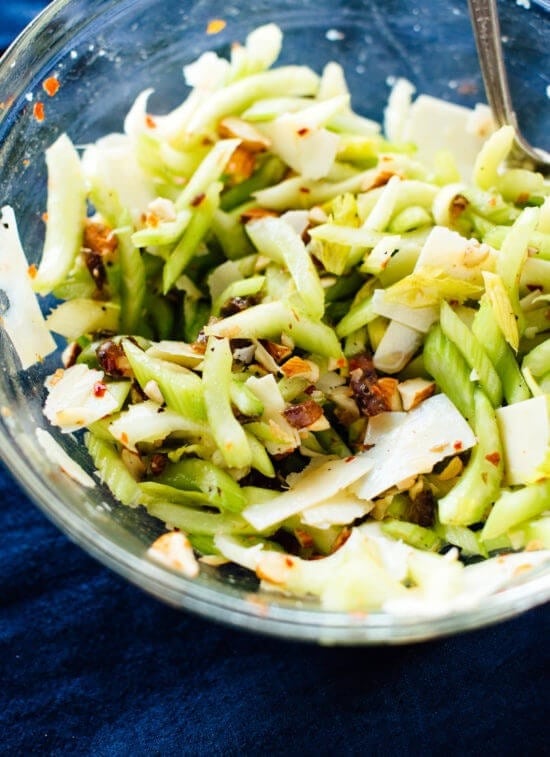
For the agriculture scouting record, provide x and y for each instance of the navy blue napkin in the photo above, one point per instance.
(90, 665)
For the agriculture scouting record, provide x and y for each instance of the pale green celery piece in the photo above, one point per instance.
(332, 443)
(538, 359)
(73, 318)
(256, 495)
(292, 387)
(164, 233)
(152, 492)
(376, 330)
(260, 459)
(243, 288)
(148, 154)
(119, 390)
(517, 183)
(226, 430)
(132, 284)
(77, 284)
(473, 352)
(207, 173)
(408, 219)
(275, 238)
(297, 192)
(515, 507)
(270, 434)
(492, 154)
(356, 342)
(278, 283)
(191, 474)
(402, 263)
(513, 255)
(536, 324)
(244, 399)
(479, 485)
(182, 389)
(538, 240)
(346, 235)
(269, 108)
(534, 533)
(198, 227)
(271, 319)
(203, 544)
(489, 207)
(236, 97)
(230, 232)
(181, 162)
(485, 328)
(413, 534)
(445, 364)
(464, 538)
(357, 148)
(535, 275)
(430, 286)
(112, 470)
(194, 521)
(66, 212)
(446, 171)
(270, 172)
(358, 316)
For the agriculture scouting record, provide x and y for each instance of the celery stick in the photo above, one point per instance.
(165, 232)
(515, 507)
(358, 316)
(411, 533)
(242, 288)
(286, 80)
(270, 172)
(112, 470)
(271, 319)
(182, 389)
(152, 492)
(226, 430)
(479, 485)
(132, 285)
(445, 364)
(196, 521)
(273, 236)
(538, 359)
(260, 459)
(512, 257)
(208, 173)
(187, 246)
(245, 400)
(192, 474)
(473, 352)
(65, 212)
(485, 328)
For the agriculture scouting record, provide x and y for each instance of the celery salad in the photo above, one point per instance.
(312, 346)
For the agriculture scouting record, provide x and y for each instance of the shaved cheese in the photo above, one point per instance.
(420, 319)
(525, 432)
(408, 444)
(461, 258)
(339, 510)
(435, 125)
(57, 455)
(77, 397)
(316, 484)
(20, 313)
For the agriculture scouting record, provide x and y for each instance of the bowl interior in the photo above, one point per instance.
(104, 53)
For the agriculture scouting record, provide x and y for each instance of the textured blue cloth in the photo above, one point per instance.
(89, 665)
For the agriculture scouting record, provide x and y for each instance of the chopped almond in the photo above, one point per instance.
(414, 391)
(241, 164)
(174, 550)
(297, 366)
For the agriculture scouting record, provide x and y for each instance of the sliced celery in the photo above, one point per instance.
(479, 485)
(411, 533)
(112, 470)
(515, 507)
(192, 474)
(472, 351)
(226, 429)
(444, 362)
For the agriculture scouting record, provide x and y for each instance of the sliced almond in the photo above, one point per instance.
(250, 137)
(414, 391)
(174, 550)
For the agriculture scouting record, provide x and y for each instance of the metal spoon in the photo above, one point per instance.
(484, 17)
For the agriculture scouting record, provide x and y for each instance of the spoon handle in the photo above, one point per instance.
(486, 27)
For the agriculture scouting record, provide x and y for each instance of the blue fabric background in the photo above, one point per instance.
(90, 665)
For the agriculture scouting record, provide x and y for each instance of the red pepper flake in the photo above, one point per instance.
(493, 458)
(32, 270)
(99, 389)
(305, 190)
(215, 26)
(349, 459)
(44, 217)
(51, 86)
(457, 446)
(303, 131)
(38, 112)
(196, 201)
(26, 162)
(289, 562)
(124, 438)
(150, 121)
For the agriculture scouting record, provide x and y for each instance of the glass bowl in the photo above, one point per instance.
(104, 52)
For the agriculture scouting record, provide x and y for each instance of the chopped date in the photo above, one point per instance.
(370, 398)
(112, 359)
(237, 305)
(422, 510)
(94, 264)
(303, 414)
